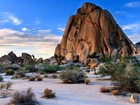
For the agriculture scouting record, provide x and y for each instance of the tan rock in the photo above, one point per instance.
(94, 62)
(135, 98)
(91, 30)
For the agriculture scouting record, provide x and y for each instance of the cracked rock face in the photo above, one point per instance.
(90, 30)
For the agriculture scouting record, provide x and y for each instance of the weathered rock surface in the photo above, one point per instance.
(11, 58)
(91, 30)
(26, 58)
(135, 98)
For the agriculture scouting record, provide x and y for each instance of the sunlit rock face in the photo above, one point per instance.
(93, 29)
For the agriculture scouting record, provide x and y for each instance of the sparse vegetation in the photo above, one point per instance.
(24, 98)
(10, 72)
(45, 75)
(8, 85)
(32, 79)
(2, 86)
(39, 78)
(124, 74)
(48, 93)
(104, 89)
(58, 59)
(115, 92)
(4, 94)
(72, 76)
(49, 68)
(54, 75)
(86, 80)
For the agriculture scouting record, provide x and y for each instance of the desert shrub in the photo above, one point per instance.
(8, 85)
(32, 79)
(39, 78)
(10, 72)
(1, 78)
(104, 89)
(115, 92)
(54, 75)
(124, 75)
(4, 94)
(48, 93)
(72, 76)
(86, 80)
(23, 98)
(1, 68)
(37, 75)
(49, 68)
(30, 68)
(105, 59)
(45, 75)
(2, 86)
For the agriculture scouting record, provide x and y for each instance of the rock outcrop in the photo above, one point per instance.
(91, 30)
(11, 58)
(27, 58)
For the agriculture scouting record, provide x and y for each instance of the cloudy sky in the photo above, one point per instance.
(37, 26)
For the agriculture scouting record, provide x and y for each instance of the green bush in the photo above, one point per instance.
(125, 75)
(30, 68)
(10, 72)
(51, 68)
(72, 76)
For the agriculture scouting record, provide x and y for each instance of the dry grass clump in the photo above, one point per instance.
(24, 98)
(115, 92)
(104, 89)
(2, 86)
(4, 94)
(45, 75)
(86, 80)
(48, 93)
(32, 79)
(39, 78)
(37, 75)
(8, 85)
(54, 75)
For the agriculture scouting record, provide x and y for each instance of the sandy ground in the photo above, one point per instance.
(68, 94)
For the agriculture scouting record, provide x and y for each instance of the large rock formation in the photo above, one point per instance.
(9, 59)
(91, 30)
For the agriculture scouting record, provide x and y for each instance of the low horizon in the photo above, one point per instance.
(36, 27)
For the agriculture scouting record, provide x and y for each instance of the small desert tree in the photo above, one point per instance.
(58, 59)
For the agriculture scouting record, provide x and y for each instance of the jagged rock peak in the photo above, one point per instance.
(93, 29)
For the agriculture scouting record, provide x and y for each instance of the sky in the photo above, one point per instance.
(37, 26)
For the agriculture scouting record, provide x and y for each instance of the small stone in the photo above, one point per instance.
(135, 98)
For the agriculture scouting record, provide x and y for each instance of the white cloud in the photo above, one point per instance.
(134, 38)
(11, 18)
(37, 21)
(19, 41)
(44, 31)
(61, 29)
(120, 12)
(132, 4)
(4, 21)
(131, 26)
(24, 29)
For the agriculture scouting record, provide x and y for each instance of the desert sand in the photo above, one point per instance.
(68, 94)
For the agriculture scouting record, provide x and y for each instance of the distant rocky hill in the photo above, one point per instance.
(93, 29)
(11, 58)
